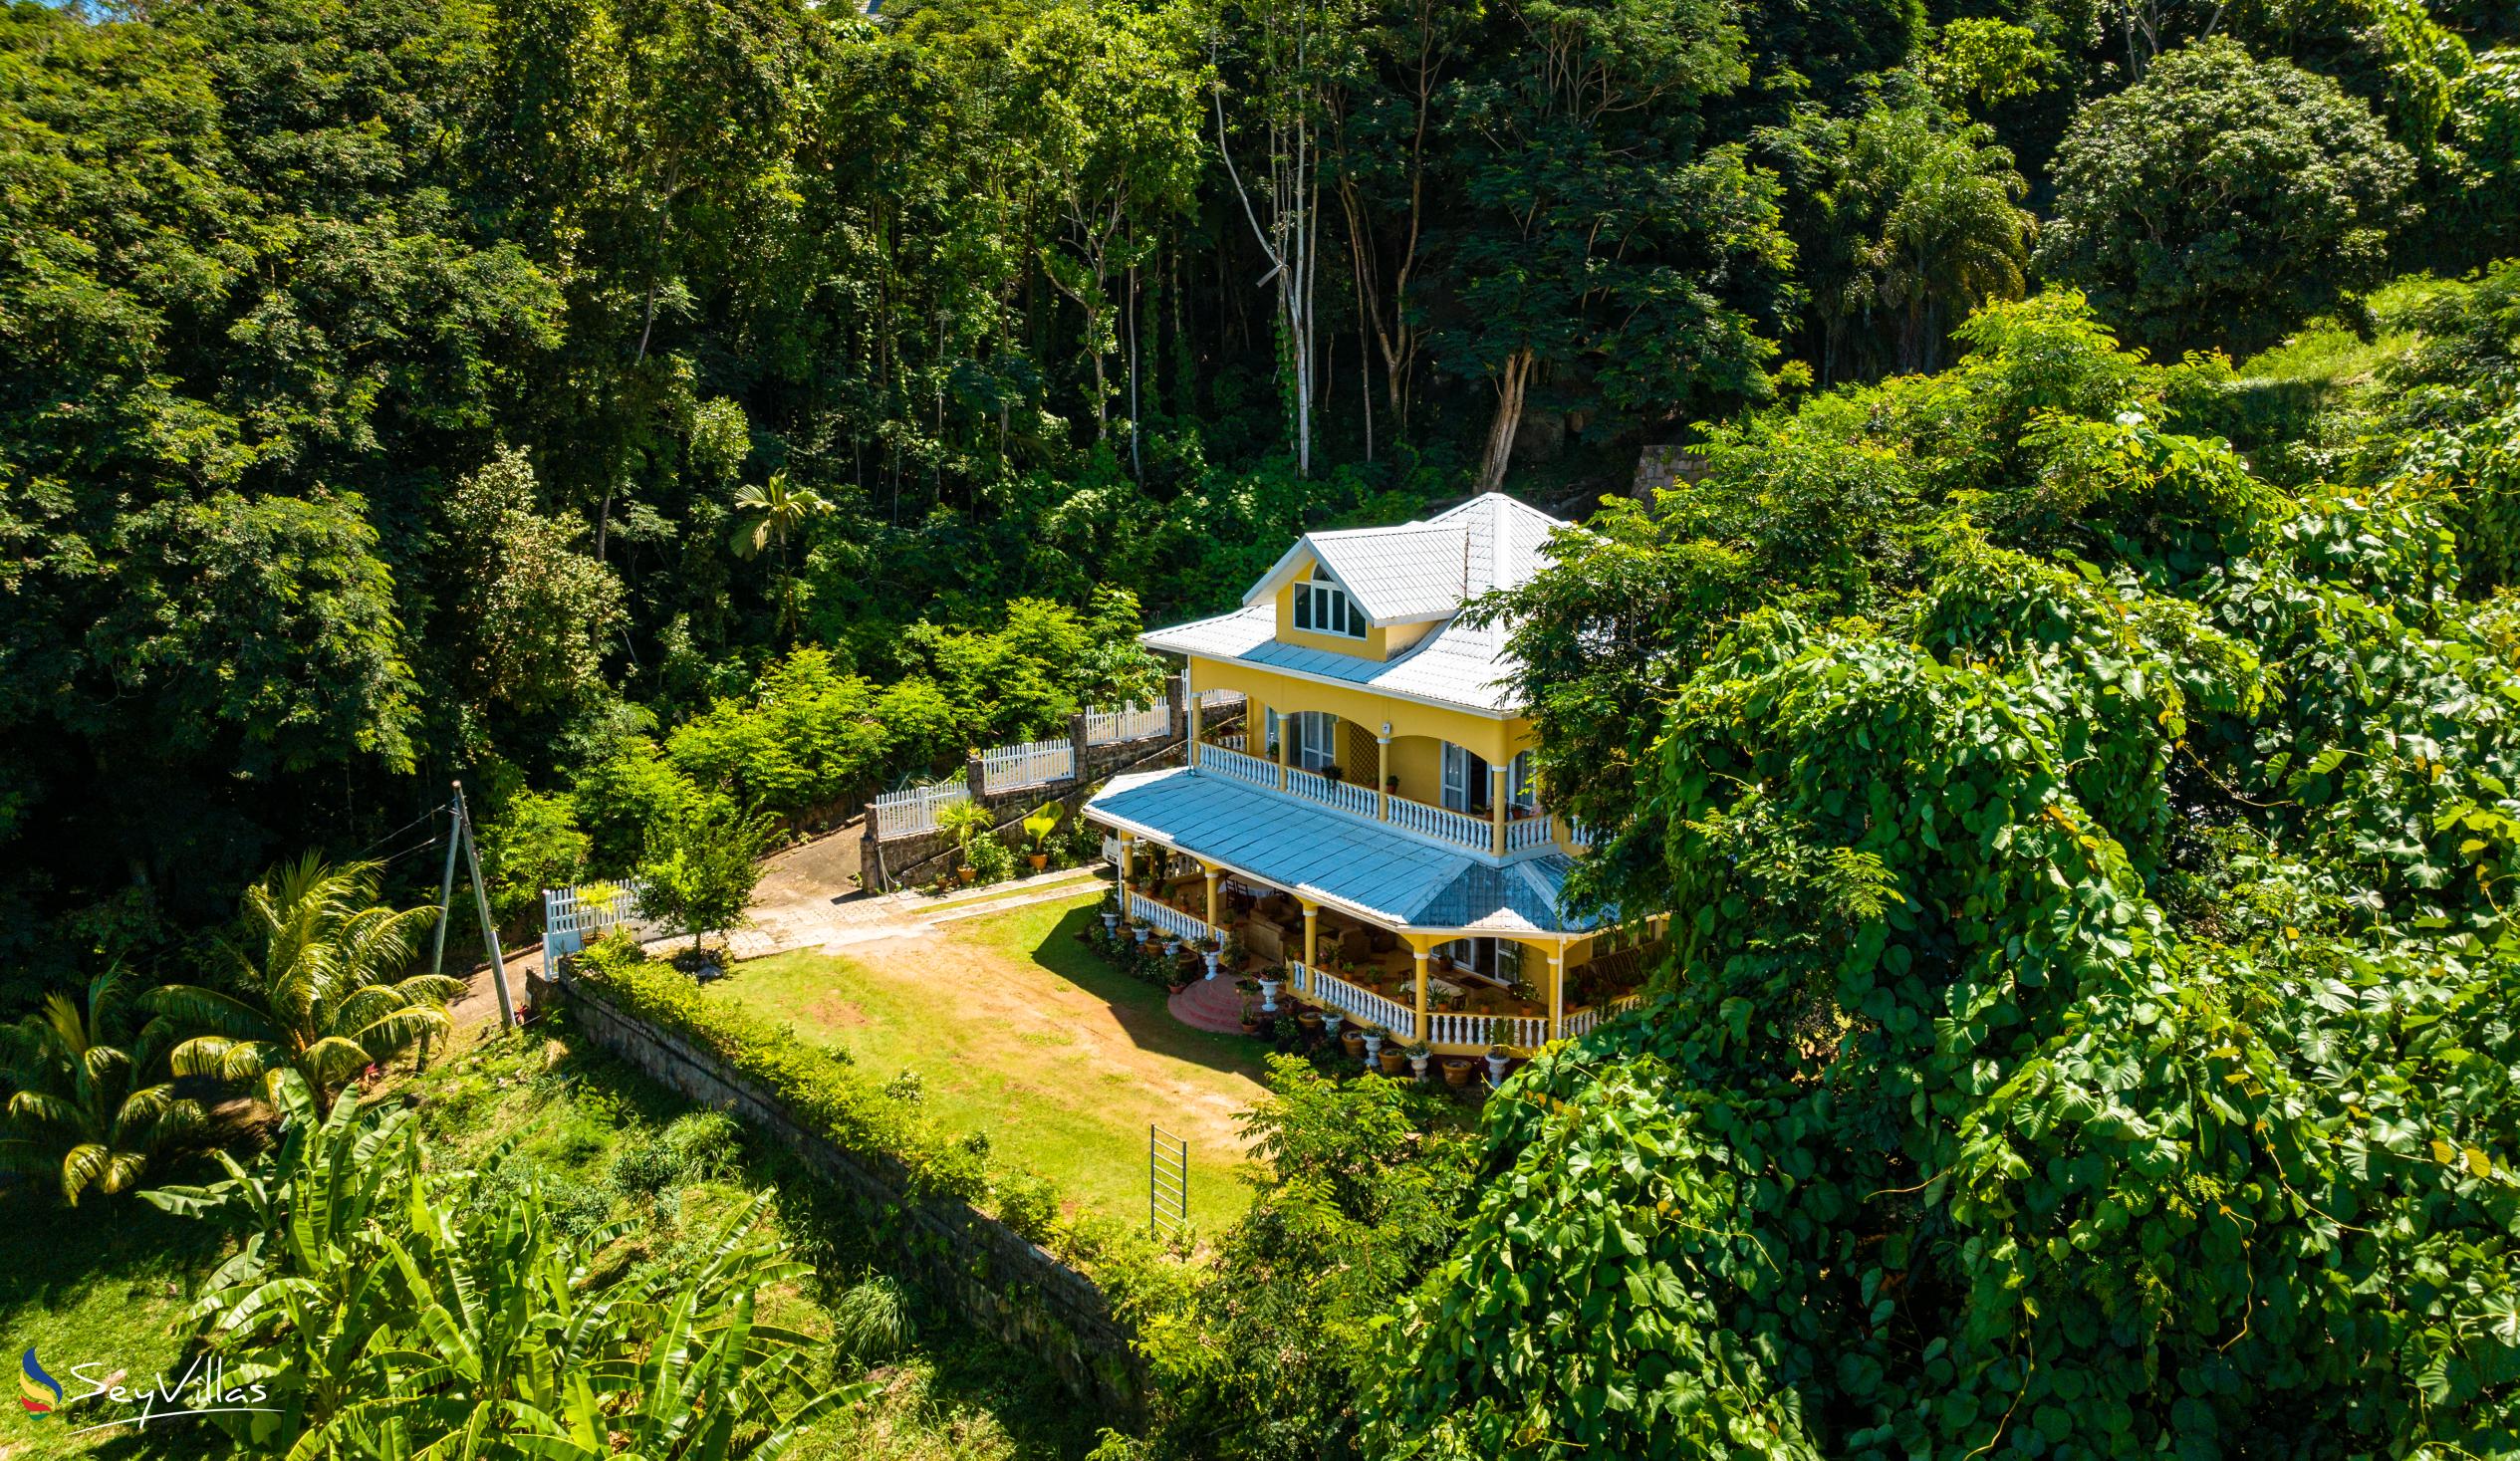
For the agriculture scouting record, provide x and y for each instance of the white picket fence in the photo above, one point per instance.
(913, 810)
(1129, 723)
(573, 916)
(1212, 700)
(1167, 917)
(1031, 763)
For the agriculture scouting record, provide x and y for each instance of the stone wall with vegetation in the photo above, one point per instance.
(971, 1263)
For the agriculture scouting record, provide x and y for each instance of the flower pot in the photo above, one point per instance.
(1111, 924)
(1417, 1065)
(1038, 859)
(1141, 931)
(1310, 1020)
(1330, 1021)
(1392, 1060)
(1213, 957)
(1372, 1049)
(965, 873)
(1353, 1041)
(1269, 995)
(1171, 947)
(1456, 1070)
(1497, 1061)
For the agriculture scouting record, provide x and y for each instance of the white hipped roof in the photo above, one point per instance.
(1409, 574)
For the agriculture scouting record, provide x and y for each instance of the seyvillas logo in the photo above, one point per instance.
(33, 1384)
(202, 1389)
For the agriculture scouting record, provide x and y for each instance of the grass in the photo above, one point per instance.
(102, 1287)
(1018, 1030)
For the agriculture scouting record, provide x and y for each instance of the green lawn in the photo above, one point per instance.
(1018, 1030)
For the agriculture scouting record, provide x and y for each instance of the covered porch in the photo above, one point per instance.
(1460, 990)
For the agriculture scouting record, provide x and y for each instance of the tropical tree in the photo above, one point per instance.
(316, 983)
(77, 1111)
(701, 872)
(1912, 222)
(2224, 199)
(768, 515)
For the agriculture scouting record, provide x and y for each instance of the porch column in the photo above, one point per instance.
(1127, 845)
(1191, 699)
(1557, 991)
(1312, 930)
(1286, 734)
(1382, 777)
(1417, 953)
(1210, 870)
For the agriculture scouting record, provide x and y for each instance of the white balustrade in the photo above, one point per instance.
(1299, 976)
(1031, 763)
(1521, 1032)
(1530, 832)
(1328, 989)
(1239, 765)
(1583, 1022)
(912, 811)
(1442, 823)
(1167, 917)
(1312, 786)
(1219, 699)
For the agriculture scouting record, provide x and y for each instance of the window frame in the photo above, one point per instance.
(1323, 606)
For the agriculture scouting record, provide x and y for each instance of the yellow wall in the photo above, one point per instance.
(1418, 762)
(1494, 739)
(1381, 642)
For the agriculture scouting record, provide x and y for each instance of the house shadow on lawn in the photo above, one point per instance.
(1140, 1009)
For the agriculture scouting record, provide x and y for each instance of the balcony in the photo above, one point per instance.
(1442, 825)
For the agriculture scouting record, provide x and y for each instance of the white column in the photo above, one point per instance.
(1383, 774)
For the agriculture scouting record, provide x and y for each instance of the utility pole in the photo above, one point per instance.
(480, 901)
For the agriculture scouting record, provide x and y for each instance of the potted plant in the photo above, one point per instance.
(1498, 1058)
(1248, 989)
(1037, 829)
(1207, 948)
(1351, 1040)
(1417, 1055)
(1373, 1047)
(1333, 775)
(1391, 784)
(1456, 1070)
(1330, 1021)
(1270, 983)
(965, 820)
(1311, 1020)
(1390, 1058)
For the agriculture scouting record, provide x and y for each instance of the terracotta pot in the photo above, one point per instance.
(1353, 1043)
(1038, 859)
(1393, 1061)
(1456, 1070)
(1310, 1020)
(964, 876)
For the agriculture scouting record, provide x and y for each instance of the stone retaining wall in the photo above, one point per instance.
(971, 1263)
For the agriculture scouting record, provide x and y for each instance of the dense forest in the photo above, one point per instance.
(2067, 706)
(398, 391)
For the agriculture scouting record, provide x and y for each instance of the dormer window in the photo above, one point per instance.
(1324, 607)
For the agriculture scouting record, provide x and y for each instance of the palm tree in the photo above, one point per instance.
(75, 1110)
(319, 984)
(771, 513)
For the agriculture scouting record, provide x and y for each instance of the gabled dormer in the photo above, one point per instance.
(1377, 592)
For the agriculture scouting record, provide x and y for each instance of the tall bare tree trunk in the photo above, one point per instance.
(1512, 385)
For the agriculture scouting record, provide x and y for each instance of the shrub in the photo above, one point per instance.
(1029, 1203)
(818, 1091)
(870, 1322)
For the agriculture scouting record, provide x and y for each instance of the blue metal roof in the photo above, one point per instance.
(1384, 875)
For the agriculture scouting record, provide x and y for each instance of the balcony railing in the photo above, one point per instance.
(1529, 831)
(1312, 786)
(1525, 1031)
(1442, 823)
(1240, 765)
(1582, 1022)
(1167, 917)
(1325, 988)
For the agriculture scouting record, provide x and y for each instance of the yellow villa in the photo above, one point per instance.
(1372, 825)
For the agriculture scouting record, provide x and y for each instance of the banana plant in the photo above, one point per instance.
(391, 1312)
